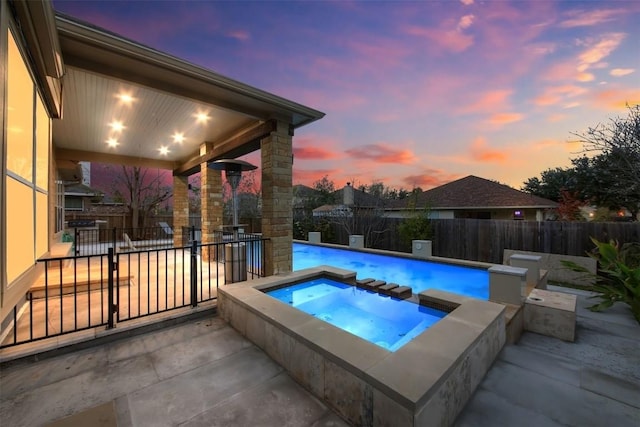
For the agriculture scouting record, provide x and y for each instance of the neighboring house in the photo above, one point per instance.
(80, 197)
(352, 200)
(474, 197)
(303, 198)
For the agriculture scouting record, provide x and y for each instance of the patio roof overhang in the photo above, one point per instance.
(167, 95)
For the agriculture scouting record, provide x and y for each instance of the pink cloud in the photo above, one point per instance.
(557, 94)
(241, 35)
(616, 98)
(315, 153)
(429, 178)
(466, 2)
(554, 118)
(488, 101)
(314, 147)
(465, 22)
(565, 70)
(480, 151)
(585, 77)
(309, 176)
(619, 72)
(505, 118)
(382, 153)
(600, 49)
(582, 18)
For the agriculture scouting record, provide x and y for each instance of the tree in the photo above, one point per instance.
(610, 175)
(552, 183)
(569, 207)
(249, 194)
(325, 188)
(142, 190)
(417, 226)
(362, 214)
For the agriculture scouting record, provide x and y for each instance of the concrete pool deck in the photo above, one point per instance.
(201, 372)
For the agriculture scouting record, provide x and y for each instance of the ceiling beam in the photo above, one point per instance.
(233, 147)
(88, 156)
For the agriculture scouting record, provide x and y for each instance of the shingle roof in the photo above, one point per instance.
(80, 190)
(474, 192)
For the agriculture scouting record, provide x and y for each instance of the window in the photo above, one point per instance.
(28, 141)
(73, 203)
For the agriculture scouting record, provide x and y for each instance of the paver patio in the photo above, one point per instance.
(202, 372)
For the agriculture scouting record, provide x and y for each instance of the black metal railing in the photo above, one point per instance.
(97, 241)
(83, 292)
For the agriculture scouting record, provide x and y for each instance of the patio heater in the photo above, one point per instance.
(235, 256)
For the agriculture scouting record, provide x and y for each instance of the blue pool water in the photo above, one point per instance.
(384, 321)
(419, 275)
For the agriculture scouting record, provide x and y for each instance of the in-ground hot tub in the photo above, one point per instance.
(425, 382)
(386, 322)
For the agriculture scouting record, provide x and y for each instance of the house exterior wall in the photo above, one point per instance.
(25, 205)
(505, 214)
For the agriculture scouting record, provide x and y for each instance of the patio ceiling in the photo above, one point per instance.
(129, 104)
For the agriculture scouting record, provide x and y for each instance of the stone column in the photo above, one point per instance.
(180, 208)
(277, 214)
(211, 206)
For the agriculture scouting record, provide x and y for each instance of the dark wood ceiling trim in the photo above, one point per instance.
(233, 147)
(88, 156)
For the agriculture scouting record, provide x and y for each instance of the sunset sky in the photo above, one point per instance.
(416, 93)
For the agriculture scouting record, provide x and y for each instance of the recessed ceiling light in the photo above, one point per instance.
(202, 117)
(112, 142)
(178, 137)
(125, 98)
(163, 150)
(116, 125)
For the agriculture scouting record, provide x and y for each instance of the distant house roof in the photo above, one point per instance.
(360, 198)
(300, 190)
(80, 190)
(326, 208)
(473, 192)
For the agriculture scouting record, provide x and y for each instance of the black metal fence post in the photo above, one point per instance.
(110, 284)
(194, 273)
(76, 241)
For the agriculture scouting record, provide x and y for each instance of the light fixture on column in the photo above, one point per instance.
(233, 169)
(235, 267)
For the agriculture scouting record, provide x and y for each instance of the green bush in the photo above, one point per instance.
(618, 276)
(415, 227)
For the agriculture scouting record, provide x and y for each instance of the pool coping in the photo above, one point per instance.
(366, 384)
(406, 255)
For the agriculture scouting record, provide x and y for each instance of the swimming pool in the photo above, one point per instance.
(384, 321)
(418, 274)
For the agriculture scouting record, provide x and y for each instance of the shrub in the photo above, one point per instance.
(618, 276)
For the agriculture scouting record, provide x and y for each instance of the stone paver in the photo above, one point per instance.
(197, 373)
(543, 381)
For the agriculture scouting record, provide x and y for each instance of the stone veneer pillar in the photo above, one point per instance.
(180, 208)
(211, 205)
(277, 216)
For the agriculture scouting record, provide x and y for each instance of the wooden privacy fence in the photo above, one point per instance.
(485, 240)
